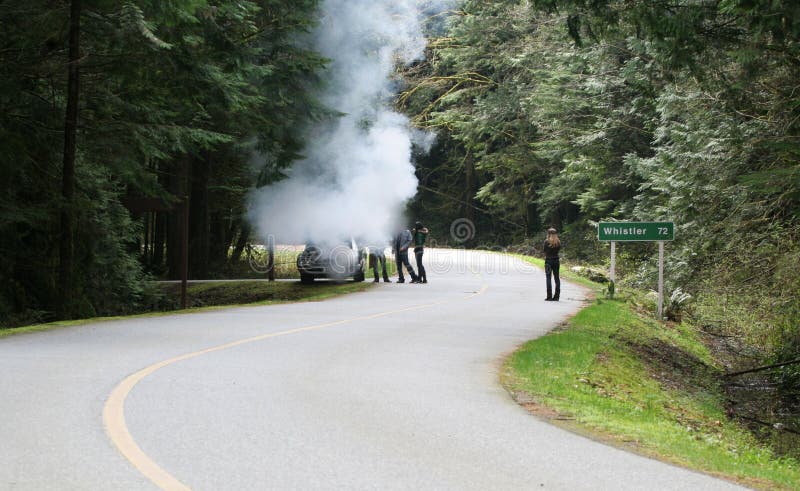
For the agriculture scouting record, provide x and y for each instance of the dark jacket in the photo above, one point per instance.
(550, 252)
(419, 238)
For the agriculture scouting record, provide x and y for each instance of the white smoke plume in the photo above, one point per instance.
(357, 174)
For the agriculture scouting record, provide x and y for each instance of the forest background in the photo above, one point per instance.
(567, 113)
(547, 113)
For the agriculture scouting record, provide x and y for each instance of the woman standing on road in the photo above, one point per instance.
(552, 244)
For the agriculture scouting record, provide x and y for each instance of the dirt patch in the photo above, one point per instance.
(674, 368)
(569, 422)
(527, 401)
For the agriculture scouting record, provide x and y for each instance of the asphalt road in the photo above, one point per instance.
(393, 388)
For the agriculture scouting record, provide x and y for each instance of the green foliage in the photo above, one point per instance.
(546, 127)
(164, 85)
(576, 111)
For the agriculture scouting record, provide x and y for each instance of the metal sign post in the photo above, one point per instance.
(613, 274)
(660, 279)
(638, 232)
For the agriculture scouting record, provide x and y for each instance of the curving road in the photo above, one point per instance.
(394, 388)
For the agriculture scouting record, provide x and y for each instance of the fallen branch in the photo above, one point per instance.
(759, 369)
(776, 426)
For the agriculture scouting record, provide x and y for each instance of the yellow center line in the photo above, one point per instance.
(114, 408)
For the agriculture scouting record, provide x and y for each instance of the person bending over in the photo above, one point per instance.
(377, 260)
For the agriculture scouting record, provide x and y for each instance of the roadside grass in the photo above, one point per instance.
(649, 387)
(164, 299)
(218, 295)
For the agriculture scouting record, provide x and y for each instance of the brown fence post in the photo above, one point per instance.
(271, 259)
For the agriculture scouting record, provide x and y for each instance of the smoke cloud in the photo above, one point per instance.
(357, 174)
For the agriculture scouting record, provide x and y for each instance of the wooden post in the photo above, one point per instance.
(660, 279)
(271, 257)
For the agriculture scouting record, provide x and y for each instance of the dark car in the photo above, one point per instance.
(337, 262)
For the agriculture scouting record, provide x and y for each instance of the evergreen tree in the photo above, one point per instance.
(174, 99)
(636, 110)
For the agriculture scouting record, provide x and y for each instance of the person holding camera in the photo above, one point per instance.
(420, 234)
(552, 244)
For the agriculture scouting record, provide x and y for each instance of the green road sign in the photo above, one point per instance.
(635, 231)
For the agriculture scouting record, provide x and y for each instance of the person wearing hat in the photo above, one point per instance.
(552, 244)
(420, 234)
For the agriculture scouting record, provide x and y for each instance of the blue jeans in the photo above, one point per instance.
(402, 259)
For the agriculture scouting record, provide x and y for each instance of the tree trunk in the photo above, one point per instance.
(160, 236)
(66, 248)
(469, 193)
(158, 243)
(241, 242)
(219, 238)
(469, 188)
(178, 187)
(147, 240)
(199, 226)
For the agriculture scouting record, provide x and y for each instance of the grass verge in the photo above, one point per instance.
(211, 294)
(646, 386)
(218, 295)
